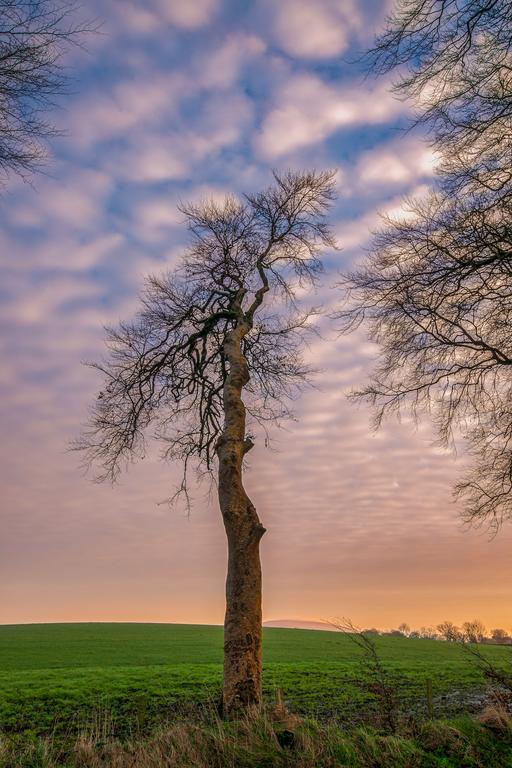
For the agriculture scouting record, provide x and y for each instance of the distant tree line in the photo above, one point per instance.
(470, 632)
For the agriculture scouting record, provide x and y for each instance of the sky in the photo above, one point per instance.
(175, 101)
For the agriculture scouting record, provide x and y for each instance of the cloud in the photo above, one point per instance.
(318, 30)
(399, 162)
(152, 16)
(123, 106)
(354, 234)
(188, 15)
(75, 199)
(306, 111)
(151, 159)
(222, 67)
(81, 256)
(154, 219)
(42, 299)
(138, 18)
(159, 155)
(150, 110)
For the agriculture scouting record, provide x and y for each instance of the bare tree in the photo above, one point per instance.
(225, 322)
(435, 290)
(449, 631)
(500, 636)
(473, 631)
(404, 628)
(436, 294)
(34, 35)
(454, 61)
(428, 633)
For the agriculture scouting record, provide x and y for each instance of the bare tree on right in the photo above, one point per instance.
(449, 632)
(473, 631)
(435, 291)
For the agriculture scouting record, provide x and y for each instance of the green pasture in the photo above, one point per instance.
(57, 676)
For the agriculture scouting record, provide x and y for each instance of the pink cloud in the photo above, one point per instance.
(307, 110)
(129, 103)
(314, 30)
(221, 67)
(188, 15)
(158, 155)
(399, 162)
(76, 199)
(149, 17)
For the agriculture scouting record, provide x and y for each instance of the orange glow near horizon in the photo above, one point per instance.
(196, 101)
(156, 565)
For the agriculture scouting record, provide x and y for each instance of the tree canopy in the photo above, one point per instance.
(168, 366)
(435, 290)
(34, 35)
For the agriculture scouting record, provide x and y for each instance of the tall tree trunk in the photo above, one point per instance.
(242, 625)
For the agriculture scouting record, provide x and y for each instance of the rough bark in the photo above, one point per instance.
(242, 625)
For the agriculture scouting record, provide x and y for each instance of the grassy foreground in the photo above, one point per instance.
(145, 695)
(260, 742)
(55, 677)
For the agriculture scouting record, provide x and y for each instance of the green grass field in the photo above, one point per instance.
(58, 675)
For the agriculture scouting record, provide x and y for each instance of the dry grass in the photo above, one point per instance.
(272, 738)
(496, 717)
(213, 743)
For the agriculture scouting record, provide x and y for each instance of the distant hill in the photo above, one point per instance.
(299, 624)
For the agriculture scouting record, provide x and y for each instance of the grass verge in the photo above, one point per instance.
(261, 742)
